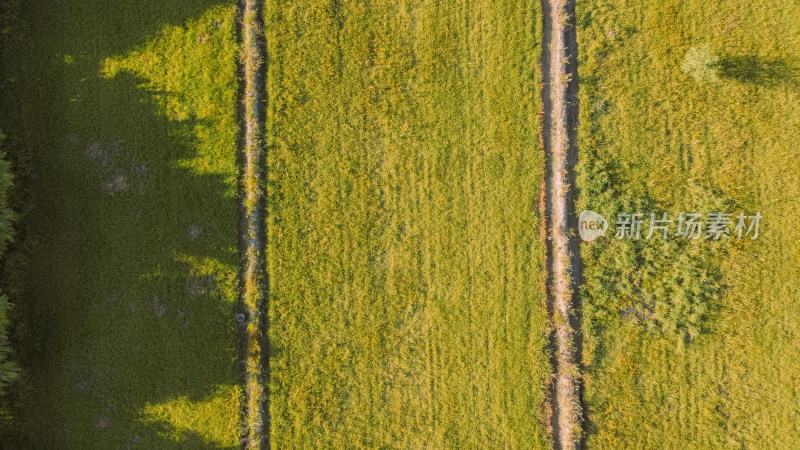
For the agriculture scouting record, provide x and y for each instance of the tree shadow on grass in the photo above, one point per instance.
(126, 336)
(753, 69)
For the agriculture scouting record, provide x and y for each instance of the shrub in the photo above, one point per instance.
(701, 64)
(8, 368)
(669, 286)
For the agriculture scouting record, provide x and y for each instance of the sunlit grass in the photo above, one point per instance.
(692, 106)
(213, 418)
(406, 303)
(186, 69)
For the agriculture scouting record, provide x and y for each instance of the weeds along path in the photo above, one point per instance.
(559, 100)
(252, 314)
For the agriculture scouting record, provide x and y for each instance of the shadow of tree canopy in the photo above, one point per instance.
(754, 69)
(128, 288)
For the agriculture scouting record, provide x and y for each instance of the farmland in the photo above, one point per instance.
(348, 224)
(691, 106)
(123, 116)
(406, 294)
(406, 276)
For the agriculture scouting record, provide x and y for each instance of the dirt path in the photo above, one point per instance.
(252, 320)
(559, 99)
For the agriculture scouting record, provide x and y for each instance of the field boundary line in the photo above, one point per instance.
(252, 320)
(559, 130)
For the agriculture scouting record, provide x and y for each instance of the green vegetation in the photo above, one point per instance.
(695, 107)
(127, 112)
(406, 290)
(668, 286)
(9, 371)
(405, 270)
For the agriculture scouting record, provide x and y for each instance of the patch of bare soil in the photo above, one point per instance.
(199, 285)
(102, 422)
(159, 308)
(194, 231)
(103, 152)
(116, 184)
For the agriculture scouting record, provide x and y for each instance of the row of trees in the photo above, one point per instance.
(8, 369)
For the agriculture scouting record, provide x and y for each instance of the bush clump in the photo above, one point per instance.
(701, 64)
(669, 286)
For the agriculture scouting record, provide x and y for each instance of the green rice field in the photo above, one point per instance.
(405, 290)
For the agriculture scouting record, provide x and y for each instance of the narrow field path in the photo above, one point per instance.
(559, 99)
(252, 320)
